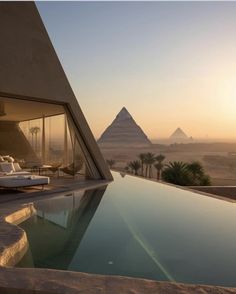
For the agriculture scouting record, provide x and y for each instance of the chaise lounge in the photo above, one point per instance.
(23, 181)
(12, 176)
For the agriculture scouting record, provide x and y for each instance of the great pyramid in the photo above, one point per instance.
(179, 134)
(124, 130)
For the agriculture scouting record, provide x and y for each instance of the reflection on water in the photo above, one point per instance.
(56, 230)
(136, 228)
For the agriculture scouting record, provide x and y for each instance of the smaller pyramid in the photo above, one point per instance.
(124, 130)
(179, 134)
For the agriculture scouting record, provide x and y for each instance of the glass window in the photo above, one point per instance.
(41, 136)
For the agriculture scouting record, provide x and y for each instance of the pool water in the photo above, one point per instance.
(137, 228)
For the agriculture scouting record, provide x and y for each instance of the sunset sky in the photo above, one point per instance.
(170, 64)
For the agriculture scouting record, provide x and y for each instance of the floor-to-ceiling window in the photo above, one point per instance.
(41, 136)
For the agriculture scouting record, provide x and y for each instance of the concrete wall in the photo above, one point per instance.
(30, 69)
(224, 191)
(14, 143)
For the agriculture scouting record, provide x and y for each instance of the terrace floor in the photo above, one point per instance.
(57, 185)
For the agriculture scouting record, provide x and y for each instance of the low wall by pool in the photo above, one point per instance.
(45, 281)
(13, 239)
(228, 192)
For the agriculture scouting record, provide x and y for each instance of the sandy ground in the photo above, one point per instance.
(222, 176)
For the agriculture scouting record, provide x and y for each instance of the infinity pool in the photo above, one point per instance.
(138, 228)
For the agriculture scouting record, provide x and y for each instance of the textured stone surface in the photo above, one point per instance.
(13, 240)
(53, 281)
(124, 130)
(14, 142)
(30, 69)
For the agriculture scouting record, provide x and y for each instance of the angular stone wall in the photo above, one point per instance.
(14, 143)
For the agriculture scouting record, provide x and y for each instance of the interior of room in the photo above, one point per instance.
(38, 140)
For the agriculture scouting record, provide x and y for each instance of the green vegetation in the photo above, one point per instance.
(185, 174)
(145, 163)
(176, 172)
(135, 166)
(141, 157)
(159, 165)
(149, 160)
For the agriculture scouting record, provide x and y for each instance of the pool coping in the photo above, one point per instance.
(192, 189)
(47, 281)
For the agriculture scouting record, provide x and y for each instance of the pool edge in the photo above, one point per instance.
(56, 281)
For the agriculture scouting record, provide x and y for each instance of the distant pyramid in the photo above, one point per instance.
(124, 130)
(179, 134)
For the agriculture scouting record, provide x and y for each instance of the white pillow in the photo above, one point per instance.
(8, 158)
(7, 167)
(1, 159)
(16, 166)
(11, 159)
(5, 157)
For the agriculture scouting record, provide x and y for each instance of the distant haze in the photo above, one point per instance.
(171, 64)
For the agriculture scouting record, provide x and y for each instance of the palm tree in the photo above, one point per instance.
(159, 165)
(111, 162)
(186, 174)
(160, 157)
(177, 173)
(196, 168)
(141, 157)
(205, 180)
(31, 130)
(149, 161)
(35, 131)
(135, 166)
(199, 176)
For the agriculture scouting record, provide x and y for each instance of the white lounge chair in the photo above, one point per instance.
(23, 181)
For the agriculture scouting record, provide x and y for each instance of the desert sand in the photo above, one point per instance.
(221, 174)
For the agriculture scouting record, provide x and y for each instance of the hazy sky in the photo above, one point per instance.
(170, 63)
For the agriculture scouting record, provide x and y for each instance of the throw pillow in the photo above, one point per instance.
(7, 167)
(17, 167)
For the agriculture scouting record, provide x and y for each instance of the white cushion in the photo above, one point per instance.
(8, 158)
(23, 181)
(19, 173)
(5, 157)
(11, 159)
(1, 159)
(17, 166)
(7, 167)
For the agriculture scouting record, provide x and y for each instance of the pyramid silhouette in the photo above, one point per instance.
(179, 134)
(124, 130)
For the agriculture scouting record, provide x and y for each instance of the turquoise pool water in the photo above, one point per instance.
(138, 228)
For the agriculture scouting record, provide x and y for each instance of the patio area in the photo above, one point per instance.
(56, 185)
